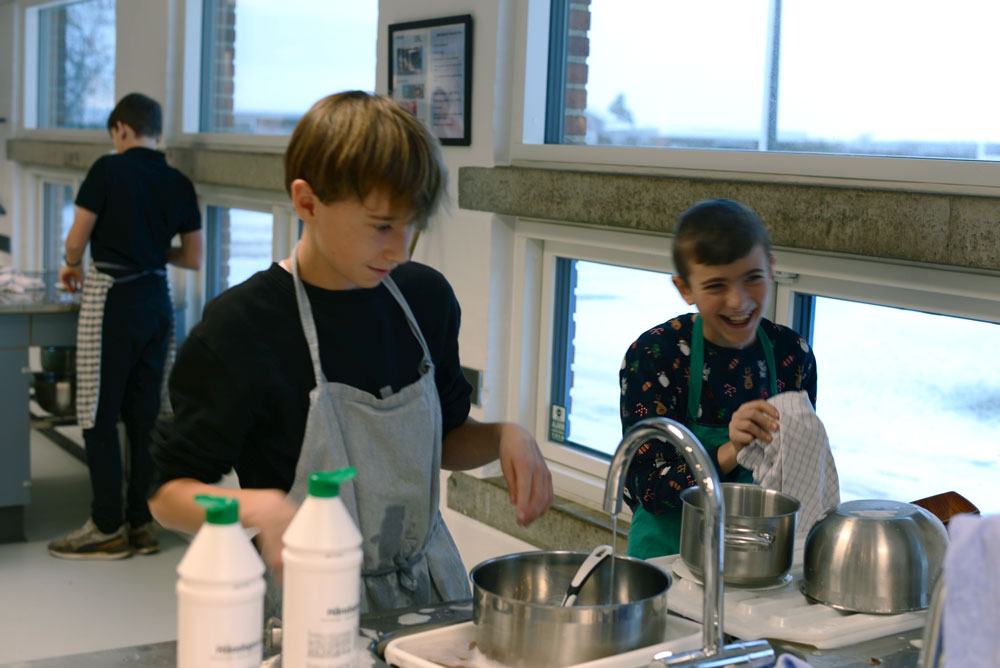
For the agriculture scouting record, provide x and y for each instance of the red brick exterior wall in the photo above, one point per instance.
(578, 48)
(224, 69)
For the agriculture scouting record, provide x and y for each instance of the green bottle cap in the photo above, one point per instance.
(219, 509)
(327, 483)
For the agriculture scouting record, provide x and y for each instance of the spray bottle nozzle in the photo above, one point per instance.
(219, 509)
(327, 483)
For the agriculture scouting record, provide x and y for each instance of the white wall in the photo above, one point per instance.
(149, 32)
(472, 248)
(461, 244)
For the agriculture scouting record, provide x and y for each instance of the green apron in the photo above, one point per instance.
(657, 535)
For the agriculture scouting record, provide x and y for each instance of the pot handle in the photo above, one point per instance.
(745, 538)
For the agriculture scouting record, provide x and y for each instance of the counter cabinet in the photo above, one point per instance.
(21, 327)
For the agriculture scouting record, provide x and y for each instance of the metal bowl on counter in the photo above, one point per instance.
(874, 556)
(519, 620)
(759, 533)
(56, 393)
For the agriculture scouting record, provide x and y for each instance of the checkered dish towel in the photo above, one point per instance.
(88, 347)
(798, 460)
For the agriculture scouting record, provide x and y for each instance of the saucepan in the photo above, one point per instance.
(759, 533)
(874, 555)
(520, 620)
(56, 393)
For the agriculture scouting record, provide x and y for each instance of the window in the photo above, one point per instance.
(605, 308)
(846, 77)
(263, 64)
(910, 401)
(71, 55)
(238, 244)
(909, 384)
(57, 217)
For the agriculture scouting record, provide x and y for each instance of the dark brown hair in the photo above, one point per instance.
(717, 231)
(141, 113)
(353, 143)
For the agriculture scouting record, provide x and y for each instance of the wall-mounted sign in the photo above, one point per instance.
(430, 65)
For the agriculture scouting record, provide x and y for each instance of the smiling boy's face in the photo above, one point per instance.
(731, 298)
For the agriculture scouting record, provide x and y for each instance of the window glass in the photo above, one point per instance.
(887, 78)
(689, 73)
(76, 64)
(239, 243)
(613, 305)
(910, 401)
(265, 63)
(57, 217)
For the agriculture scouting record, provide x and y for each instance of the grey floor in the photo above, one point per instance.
(54, 607)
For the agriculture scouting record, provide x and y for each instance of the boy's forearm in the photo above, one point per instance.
(188, 255)
(174, 507)
(177, 257)
(79, 235)
(470, 445)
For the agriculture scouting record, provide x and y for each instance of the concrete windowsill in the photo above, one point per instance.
(567, 525)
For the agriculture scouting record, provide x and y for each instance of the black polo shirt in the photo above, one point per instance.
(141, 203)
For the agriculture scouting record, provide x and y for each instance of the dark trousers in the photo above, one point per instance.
(135, 334)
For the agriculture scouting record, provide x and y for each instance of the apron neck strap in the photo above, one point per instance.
(698, 363)
(306, 317)
(309, 324)
(410, 318)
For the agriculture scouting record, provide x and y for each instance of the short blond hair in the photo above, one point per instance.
(353, 143)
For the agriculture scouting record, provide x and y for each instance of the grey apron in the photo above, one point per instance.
(394, 441)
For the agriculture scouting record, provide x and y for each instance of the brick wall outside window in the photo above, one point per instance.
(577, 50)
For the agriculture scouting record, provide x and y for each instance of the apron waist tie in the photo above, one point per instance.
(147, 272)
(127, 273)
(403, 565)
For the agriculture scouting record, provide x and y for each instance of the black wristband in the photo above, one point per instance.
(72, 264)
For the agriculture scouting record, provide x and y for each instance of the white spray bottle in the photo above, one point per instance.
(321, 597)
(220, 593)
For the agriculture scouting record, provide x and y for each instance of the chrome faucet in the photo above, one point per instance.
(758, 653)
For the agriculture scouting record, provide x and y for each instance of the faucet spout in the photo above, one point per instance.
(703, 470)
(753, 654)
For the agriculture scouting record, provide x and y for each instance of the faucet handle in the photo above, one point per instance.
(751, 654)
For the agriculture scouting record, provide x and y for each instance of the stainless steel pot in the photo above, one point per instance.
(875, 556)
(759, 533)
(56, 393)
(519, 620)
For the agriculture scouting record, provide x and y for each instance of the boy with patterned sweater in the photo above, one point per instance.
(725, 268)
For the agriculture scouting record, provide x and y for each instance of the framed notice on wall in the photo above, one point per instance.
(430, 74)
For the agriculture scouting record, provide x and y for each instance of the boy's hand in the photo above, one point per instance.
(71, 277)
(754, 419)
(528, 479)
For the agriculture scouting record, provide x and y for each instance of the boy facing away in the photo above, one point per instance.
(129, 208)
(711, 371)
(343, 354)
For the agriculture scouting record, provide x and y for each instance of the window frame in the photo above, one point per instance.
(28, 246)
(26, 79)
(186, 130)
(284, 234)
(577, 474)
(528, 125)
